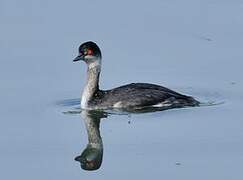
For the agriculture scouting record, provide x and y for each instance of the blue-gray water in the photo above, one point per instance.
(194, 47)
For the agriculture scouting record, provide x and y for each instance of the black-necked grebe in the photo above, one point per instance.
(130, 96)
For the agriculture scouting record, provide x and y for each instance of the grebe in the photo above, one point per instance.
(130, 96)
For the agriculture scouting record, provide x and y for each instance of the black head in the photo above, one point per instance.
(88, 51)
(90, 159)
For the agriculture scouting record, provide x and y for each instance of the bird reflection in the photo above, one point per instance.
(91, 157)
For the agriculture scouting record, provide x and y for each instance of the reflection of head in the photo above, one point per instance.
(90, 159)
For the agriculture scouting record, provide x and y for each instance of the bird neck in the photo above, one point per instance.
(92, 84)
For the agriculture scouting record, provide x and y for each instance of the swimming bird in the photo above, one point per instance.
(132, 96)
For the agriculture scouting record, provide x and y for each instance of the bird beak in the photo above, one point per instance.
(78, 58)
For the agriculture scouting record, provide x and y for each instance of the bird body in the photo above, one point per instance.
(139, 95)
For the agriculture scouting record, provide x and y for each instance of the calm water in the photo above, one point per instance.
(193, 47)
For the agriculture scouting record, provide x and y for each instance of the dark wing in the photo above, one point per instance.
(140, 94)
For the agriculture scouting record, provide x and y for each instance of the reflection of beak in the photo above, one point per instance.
(78, 58)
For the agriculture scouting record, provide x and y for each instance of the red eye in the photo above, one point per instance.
(89, 52)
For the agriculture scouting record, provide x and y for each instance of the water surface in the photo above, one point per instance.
(193, 47)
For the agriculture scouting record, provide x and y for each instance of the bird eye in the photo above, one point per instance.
(89, 52)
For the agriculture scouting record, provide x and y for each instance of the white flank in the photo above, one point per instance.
(118, 104)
